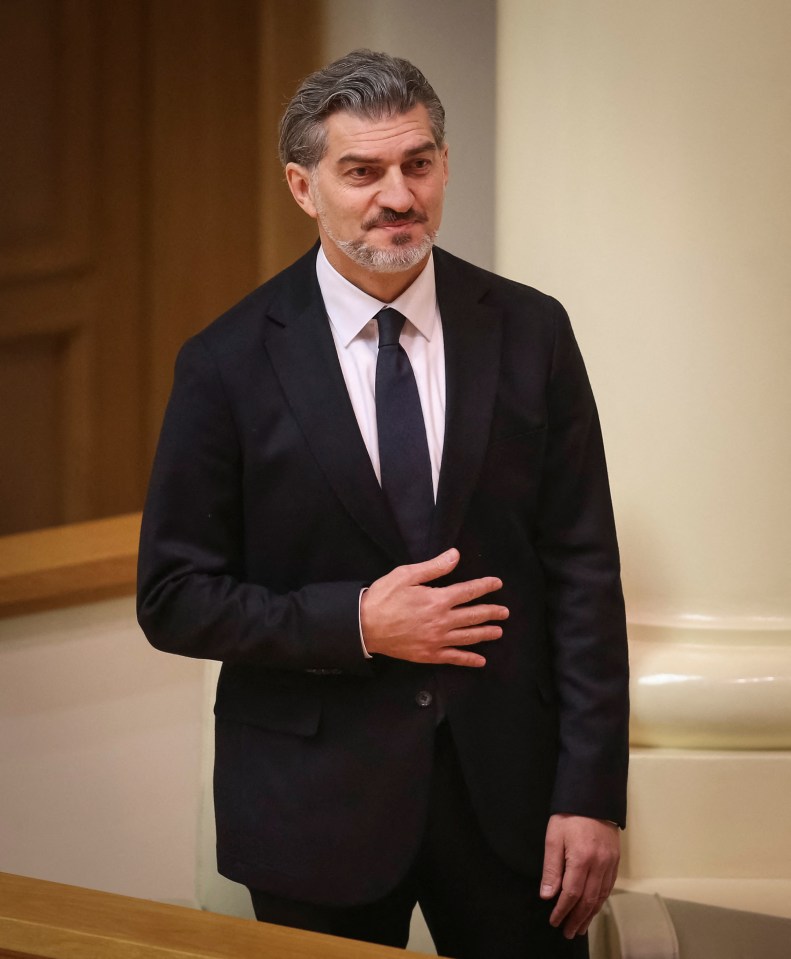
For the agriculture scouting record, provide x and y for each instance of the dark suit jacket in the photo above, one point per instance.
(264, 519)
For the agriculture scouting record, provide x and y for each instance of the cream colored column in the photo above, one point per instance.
(644, 178)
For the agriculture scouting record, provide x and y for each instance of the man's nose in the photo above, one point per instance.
(394, 192)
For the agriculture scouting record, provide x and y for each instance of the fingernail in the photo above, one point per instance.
(546, 889)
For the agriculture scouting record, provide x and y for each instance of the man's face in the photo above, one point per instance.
(377, 192)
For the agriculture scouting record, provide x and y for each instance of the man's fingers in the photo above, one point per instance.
(593, 897)
(457, 594)
(581, 917)
(567, 900)
(451, 656)
(588, 867)
(552, 874)
(435, 568)
(473, 635)
(578, 904)
(464, 616)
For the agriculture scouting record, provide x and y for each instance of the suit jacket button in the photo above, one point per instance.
(424, 698)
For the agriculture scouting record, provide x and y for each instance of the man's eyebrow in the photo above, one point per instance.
(427, 147)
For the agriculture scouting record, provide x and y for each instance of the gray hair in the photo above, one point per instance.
(367, 84)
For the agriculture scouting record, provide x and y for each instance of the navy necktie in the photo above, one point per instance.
(403, 448)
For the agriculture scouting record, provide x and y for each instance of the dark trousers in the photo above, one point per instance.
(474, 905)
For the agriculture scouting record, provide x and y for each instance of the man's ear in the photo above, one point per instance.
(298, 179)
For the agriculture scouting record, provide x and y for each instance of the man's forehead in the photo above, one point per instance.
(407, 130)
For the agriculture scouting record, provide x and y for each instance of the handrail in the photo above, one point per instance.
(47, 920)
(67, 565)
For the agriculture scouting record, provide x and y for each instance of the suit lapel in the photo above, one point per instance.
(302, 351)
(472, 335)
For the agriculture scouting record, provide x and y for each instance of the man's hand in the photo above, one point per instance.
(580, 862)
(403, 618)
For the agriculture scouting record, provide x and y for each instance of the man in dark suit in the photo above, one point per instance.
(380, 499)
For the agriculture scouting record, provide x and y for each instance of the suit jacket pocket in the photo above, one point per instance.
(279, 702)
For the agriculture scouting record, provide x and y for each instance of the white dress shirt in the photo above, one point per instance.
(356, 336)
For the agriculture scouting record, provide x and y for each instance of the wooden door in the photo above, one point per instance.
(138, 184)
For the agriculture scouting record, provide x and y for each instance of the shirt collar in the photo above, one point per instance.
(350, 309)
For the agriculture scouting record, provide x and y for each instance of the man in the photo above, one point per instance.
(380, 499)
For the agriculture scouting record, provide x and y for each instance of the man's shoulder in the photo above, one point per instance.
(292, 289)
(489, 287)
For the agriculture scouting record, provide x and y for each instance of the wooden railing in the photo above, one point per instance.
(66, 565)
(46, 920)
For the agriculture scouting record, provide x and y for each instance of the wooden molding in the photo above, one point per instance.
(47, 920)
(67, 565)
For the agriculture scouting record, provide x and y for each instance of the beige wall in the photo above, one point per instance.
(644, 152)
(99, 754)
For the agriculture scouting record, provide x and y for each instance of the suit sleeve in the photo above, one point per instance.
(192, 595)
(578, 549)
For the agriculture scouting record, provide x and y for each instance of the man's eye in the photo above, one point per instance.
(421, 164)
(360, 172)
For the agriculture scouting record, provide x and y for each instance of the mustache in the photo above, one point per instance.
(388, 217)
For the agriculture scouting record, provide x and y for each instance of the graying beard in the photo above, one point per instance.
(393, 260)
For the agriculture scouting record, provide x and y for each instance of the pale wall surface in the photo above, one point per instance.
(643, 168)
(643, 178)
(643, 163)
(99, 754)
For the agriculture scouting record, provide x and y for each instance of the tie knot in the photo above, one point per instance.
(391, 322)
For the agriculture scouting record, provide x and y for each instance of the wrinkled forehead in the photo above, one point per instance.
(345, 130)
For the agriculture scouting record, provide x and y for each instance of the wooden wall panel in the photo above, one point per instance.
(47, 245)
(46, 162)
(29, 395)
(70, 364)
(46, 427)
(135, 201)
(203, 167)
(116, 383)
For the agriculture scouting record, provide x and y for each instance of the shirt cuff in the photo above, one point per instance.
(360, 622)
